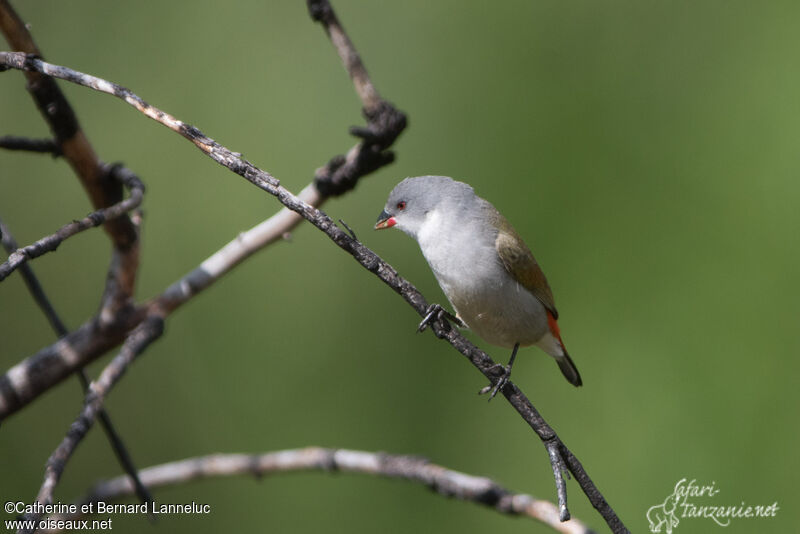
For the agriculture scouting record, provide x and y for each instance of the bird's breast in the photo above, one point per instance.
(503, 313)
(474, 280)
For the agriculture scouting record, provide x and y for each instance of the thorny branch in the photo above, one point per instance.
(446, 482)
(362, 254)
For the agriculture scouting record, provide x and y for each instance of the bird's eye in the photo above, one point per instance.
(401, 205)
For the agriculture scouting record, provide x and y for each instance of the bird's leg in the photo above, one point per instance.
(503, 380)
(435, 311)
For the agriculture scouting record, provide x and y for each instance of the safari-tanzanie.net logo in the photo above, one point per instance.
(691, 500)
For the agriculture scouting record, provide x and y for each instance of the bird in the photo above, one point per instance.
(483, 266)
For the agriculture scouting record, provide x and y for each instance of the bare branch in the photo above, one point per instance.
(147, 332)
(368, 259)
(38, 294)
(12, 142)
(446, 482)
(51, 242)
(385, 123)
(321, 11)
(76, 149)
(36, 374)
(41, 371)
(239, 249)
(557, 463)
(220, 154)
(32, 282)
(341, 173)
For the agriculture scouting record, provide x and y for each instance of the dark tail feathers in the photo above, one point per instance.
(569, 370)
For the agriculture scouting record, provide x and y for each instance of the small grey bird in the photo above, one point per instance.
(484, 268)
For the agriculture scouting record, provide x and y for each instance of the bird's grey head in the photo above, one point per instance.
(413, 199)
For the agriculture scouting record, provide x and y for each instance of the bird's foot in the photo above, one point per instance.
(434, 312)
(501, 381)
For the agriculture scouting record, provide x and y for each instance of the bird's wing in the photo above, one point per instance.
(521, 265)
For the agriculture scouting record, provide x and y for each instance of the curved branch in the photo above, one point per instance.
(446, 482)
(32, 282)
(36, 374)
(322, 12)
(363, 255)
(147, 332)
(236, 251)
(51, 242)
(38, 294)
(339, 175)
(73, 144)
(384, 122)
(68, 136)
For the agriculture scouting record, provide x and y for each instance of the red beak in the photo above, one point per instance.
(385, 221)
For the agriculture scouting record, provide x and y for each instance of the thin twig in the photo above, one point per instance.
(384, 125)
(557, 464)
(217, 152)
(368, 259)
(76, 149)
(384, 121)
(239, 249)
(147, 332)
(32, 282)
(34, 375)
(446, 482)
(26, 380)
(96, 218)
(38, 294)
(41, 371)
(322, 12)
(13, 142)
(67, 133)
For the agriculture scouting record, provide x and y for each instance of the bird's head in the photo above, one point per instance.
(413, 200)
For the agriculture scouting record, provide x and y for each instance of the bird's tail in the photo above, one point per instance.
(569, 370)
(559, 352)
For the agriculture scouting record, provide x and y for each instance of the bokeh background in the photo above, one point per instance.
(647, 151)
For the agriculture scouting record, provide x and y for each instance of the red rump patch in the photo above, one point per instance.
(551, 322)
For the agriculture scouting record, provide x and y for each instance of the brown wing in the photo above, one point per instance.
(520, 263)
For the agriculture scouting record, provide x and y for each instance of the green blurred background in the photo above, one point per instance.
(647, 151)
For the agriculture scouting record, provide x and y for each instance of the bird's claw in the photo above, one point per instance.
(434, 312)
(499, 385)
(431, 314)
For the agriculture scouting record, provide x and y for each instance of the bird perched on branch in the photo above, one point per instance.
(484, 268)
